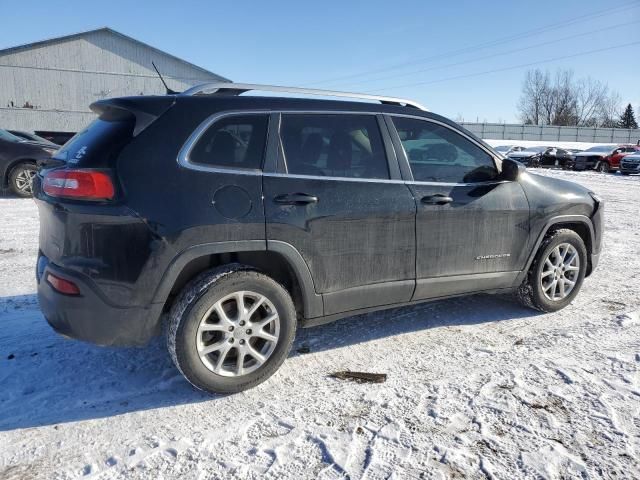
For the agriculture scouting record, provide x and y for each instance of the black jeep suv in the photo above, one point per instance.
(244, 217)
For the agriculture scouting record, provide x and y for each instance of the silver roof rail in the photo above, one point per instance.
(239, 88)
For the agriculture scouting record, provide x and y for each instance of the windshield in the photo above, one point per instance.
(503, 148)
(4, 135)
(534, 149)
(601, 148)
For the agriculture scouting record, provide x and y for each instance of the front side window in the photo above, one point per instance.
(438, 154)
(237, 141)
(340, 145)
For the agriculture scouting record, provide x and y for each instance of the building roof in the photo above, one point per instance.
(50, 41)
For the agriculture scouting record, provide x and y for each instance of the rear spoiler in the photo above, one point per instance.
(146, 110)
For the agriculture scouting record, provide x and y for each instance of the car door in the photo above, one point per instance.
(471, 226)
(338, 199)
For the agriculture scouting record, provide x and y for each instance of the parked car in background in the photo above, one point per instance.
(33, 138)
(630, 164)
(555, 158)
(18, 159)
(527, 155)
(287, 213)
(603, 158)
(620, 154)
(507, 149)
(550, 157)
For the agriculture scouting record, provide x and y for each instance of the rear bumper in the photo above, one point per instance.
(89, 316)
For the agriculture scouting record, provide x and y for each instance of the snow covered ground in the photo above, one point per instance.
(477, 387)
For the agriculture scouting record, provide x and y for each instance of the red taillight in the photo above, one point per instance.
(81, 184)
(62, 285)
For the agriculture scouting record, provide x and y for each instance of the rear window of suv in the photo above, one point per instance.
(99, 142)
(236, 141)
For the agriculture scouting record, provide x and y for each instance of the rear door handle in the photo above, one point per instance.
(437, 199)
(295, 199)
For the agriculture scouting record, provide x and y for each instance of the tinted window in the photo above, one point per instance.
(237, 141)
(438, 154)
(334, 146)
(100, 142)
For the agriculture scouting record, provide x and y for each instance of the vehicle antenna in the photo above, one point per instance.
(169, 91)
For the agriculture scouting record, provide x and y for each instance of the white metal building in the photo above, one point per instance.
(48, 86)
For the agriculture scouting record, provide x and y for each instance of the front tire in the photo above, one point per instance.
(603, 167)
(21, 179)
(557, 272)
(230, 329)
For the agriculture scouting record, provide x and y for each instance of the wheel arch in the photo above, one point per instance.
(580, 224)
(279, 260)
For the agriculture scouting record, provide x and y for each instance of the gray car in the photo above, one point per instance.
(630, 164)
(18, 159)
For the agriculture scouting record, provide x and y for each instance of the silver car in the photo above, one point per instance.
(630, 164)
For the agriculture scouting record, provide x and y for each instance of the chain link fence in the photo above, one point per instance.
(502, 131)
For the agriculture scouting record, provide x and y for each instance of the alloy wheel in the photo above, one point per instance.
(560, 272)
(24, 180)
(238, 334)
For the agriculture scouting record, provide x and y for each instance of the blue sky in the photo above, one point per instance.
(425, 50)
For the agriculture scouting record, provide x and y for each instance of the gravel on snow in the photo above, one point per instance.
(477, 387)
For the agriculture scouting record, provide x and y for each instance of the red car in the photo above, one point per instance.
(603, 158)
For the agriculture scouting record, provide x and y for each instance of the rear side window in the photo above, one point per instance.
(237, 141)
(334, 146)
(438, 154)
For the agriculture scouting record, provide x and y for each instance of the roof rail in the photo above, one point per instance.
(230, 88)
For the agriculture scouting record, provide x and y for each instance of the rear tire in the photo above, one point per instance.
(21, 179)
(557, 272)
(221, 344)
(603, 167)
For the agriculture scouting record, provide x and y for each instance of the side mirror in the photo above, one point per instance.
(511, 169)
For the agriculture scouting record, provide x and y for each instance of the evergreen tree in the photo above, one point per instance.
(628, 119)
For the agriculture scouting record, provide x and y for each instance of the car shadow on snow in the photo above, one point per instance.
(47, 380)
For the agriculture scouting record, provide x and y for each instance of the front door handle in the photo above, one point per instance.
(295, 199)
(437, 199)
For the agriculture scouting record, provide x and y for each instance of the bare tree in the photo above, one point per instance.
(608, 111)
(591, 96)
(566, 101)
(534, 91)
